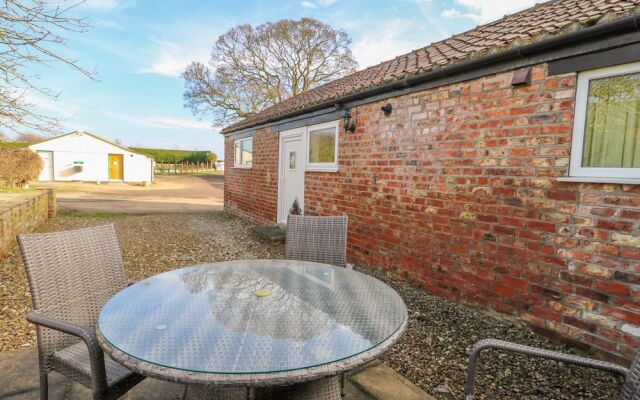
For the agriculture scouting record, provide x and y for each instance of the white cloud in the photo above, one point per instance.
(483, 11)
(101, 5)
(171, 51)
(319, 3)
(396, 37)
(450, 13)
(172, 58)
(161, 121)
(453, 13)
(50, 105)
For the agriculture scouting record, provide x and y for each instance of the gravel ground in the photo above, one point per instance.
(150, 244)
(432, 353)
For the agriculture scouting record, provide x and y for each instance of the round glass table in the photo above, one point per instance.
(251, 323)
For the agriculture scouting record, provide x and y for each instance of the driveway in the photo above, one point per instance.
(168, 194)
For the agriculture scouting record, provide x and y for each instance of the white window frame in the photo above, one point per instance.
(594, 174)
(323, 167)
(235, 162)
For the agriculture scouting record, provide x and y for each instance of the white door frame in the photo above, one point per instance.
(298, 133)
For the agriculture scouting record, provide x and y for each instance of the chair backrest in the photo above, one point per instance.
(317, 239)
(71, 276)
(631, 387)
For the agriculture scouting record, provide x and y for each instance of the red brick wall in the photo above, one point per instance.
(253, 193)
(457, 190)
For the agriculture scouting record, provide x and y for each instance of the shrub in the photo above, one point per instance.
(19, 166)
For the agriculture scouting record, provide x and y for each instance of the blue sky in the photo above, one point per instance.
(139, 48)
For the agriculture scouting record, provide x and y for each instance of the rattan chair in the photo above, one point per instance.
(630, 389)
(71, 275)
(317, 239)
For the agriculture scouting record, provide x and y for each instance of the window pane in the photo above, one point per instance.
(236, 153)
(322, 146)
(612, 126)
(247, 151)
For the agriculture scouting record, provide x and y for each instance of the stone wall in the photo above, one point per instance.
(23, 212)
(457, 191)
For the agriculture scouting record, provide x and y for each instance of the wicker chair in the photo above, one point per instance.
(630, 389)
(71, 275)
(317, 239)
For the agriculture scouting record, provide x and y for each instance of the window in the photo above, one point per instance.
(606, 134)
(322, 145)
(243, 153)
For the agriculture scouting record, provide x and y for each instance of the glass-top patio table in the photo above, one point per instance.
(258, 323)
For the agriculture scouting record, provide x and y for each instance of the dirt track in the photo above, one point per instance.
(168, 194)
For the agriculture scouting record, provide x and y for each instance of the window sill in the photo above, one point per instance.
(242, 166)
(322, 169)
(587, 179)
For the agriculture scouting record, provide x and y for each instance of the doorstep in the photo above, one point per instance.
(383, 383)
(274, 233)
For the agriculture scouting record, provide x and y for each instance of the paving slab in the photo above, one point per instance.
(19, 377)
(383, 383)
(19, 381)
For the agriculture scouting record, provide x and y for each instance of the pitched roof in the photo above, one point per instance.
(534, 24)
(93, 135)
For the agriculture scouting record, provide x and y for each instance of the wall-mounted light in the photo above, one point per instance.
(387, 109)
(347, 123)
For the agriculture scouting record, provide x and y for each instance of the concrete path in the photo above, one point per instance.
(168, 194)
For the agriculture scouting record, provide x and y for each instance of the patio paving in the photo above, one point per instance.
(19, 381)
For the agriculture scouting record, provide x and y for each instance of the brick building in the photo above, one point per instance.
(504, 170)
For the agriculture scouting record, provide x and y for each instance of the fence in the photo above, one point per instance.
(184, 168)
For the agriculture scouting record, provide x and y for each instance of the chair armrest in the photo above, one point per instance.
(533, 352)
(88, 336)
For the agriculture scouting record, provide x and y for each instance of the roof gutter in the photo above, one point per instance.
(626, 24)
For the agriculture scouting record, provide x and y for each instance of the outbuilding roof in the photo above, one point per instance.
(93, 135)
(535, 24)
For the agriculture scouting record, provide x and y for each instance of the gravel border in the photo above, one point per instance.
(434, 352)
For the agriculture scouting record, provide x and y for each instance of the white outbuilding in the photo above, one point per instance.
(83, 156)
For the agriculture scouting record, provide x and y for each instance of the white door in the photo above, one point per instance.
(47, 165)
(291, 172)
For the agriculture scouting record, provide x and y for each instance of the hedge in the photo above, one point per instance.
(174, 156)
(13, 145)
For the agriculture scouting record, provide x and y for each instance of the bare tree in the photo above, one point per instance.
(31, 33)
(253, 68)
(30, 137)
